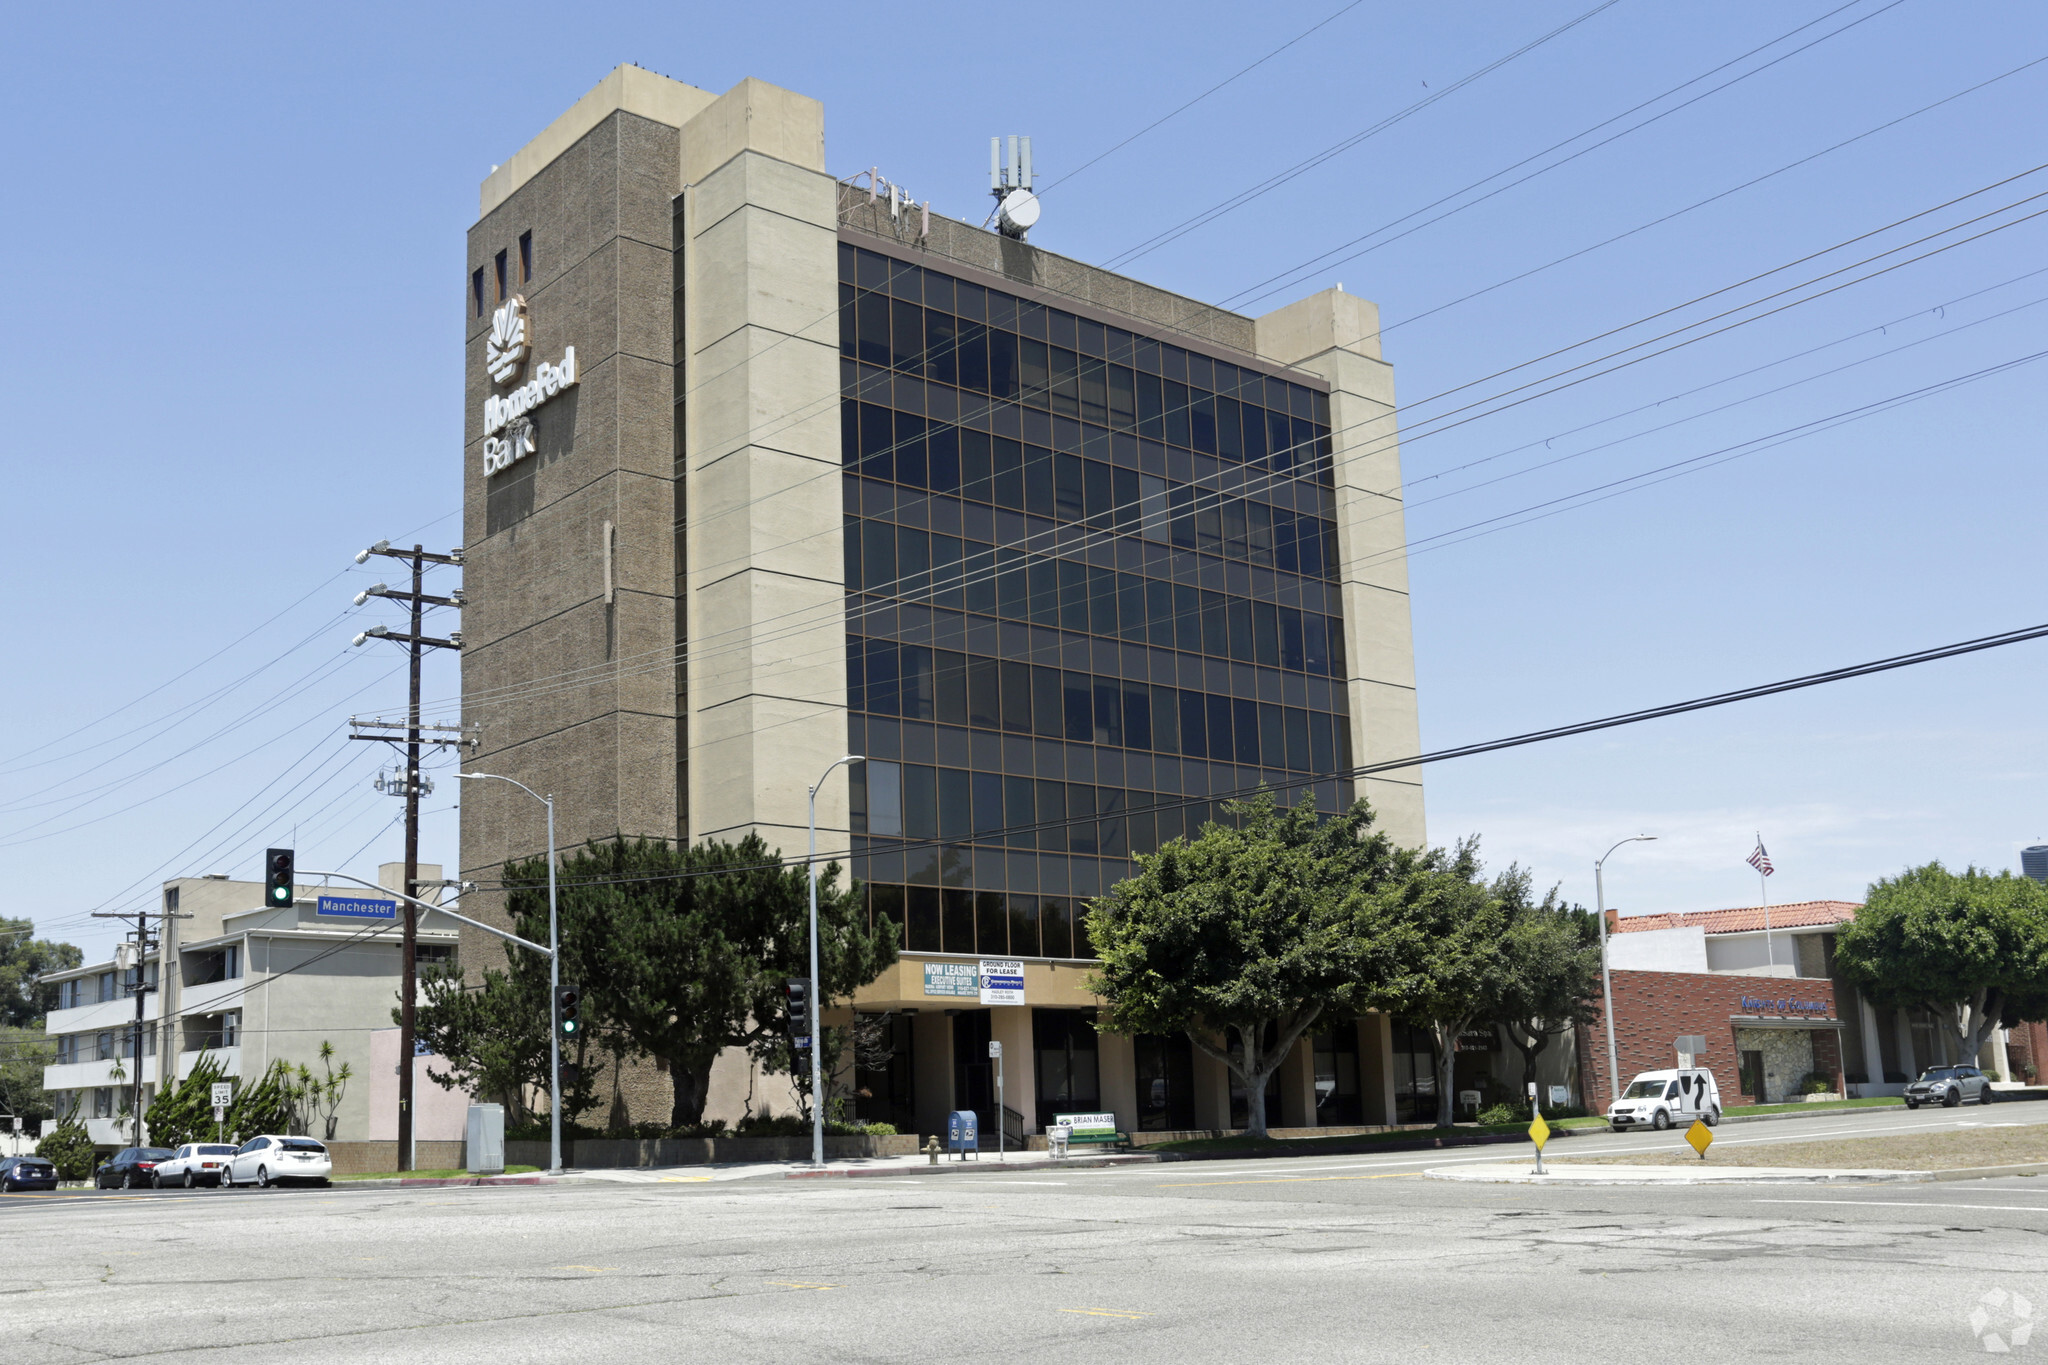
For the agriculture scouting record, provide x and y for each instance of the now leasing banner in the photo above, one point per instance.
(951, 978)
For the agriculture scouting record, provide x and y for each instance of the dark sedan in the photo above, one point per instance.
(130, 1168)
(27, 1173)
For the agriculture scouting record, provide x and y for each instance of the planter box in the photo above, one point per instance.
(614, 1153)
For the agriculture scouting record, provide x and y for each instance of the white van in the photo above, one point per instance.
(1665, 1099)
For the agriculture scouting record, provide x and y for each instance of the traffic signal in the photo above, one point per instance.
(568, 1001)
(799, 992)
(277, 877)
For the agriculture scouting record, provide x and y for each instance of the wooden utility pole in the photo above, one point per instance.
(410, 736)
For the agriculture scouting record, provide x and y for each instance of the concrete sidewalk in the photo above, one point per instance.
(855, 1167)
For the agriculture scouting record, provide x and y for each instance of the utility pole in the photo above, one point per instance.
(410, 785)
(141, 989)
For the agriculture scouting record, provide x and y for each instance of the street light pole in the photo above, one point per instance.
(554, 979)
(817, 1001)
(1606, 980)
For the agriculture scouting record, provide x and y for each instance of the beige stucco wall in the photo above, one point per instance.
(1336, 335)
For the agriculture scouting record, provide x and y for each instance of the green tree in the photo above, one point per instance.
(491, 1040)
(1457, 926)
(1553, 954)
(184, 1112)
(316, 1099)
(1970, 947)
(68, 1147)
(1248, 934)
(24, 961)
(24, 1052)
(682, 952)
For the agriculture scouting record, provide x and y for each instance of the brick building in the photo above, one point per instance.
(1760, 986)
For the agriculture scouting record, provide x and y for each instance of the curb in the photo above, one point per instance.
(977, 1168)
(394, 1183)
(1418, 1144)
(1585, 1178)
(1990, 1172)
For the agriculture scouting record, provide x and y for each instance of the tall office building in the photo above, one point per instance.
(765, 467)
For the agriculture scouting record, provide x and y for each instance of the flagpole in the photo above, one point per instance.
(1763, 886)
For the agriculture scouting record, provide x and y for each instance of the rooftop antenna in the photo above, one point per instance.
(1010, 181)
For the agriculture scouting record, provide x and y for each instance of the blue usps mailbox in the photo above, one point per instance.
(963, 1133)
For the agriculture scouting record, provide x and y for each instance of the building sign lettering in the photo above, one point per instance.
(1752, 1004)
(952, 978)
(508, 431)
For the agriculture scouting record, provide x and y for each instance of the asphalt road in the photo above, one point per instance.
(1343, 1258)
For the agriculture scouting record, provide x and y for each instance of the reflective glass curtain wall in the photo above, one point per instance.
(1087, 572)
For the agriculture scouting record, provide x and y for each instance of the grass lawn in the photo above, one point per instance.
(1875, 1102)
(1902, 1152)
(432, 1175)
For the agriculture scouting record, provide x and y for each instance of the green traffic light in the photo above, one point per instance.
(281, 893)
(569, 1026)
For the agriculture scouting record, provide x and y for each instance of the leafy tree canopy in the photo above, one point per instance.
(24, 961)
(1247, 935)
(24, 1052)
(1972, 947)
(682, 952)
(1553, 980)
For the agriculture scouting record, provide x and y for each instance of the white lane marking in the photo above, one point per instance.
(1913, 1204)
(1002, 1180)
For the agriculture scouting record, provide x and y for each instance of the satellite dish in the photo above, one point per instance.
(1019, 212)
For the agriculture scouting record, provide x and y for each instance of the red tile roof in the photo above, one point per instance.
(1742, 919)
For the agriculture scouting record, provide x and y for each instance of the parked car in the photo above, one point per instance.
(1949, 1086)
(27, 1173)
(129, 1168)
(277, 1159)
(196, 1163)
(1660, 1099)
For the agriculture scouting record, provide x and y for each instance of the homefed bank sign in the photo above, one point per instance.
(508, 431)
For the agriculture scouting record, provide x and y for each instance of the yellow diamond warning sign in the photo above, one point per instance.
(1699, 1135)
(1539, 1132)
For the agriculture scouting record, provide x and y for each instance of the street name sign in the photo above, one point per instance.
(356, 907)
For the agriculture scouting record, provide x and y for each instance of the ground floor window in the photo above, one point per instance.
(974, 1075)
(1414, 1074)
(1166, 1082)
(1338, 1098)
(1069, 1073)
(884, 1071)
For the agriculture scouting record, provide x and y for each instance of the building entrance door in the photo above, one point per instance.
(1750, 1074)
(974, 1075)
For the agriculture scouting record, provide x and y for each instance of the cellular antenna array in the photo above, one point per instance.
(1010, 181)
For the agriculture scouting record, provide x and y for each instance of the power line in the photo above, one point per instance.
(1429, 426)
(1547, 735)
(1244, 197)
(1693, 464)
(1714, 198)
(1322, 262)
(1180, 109)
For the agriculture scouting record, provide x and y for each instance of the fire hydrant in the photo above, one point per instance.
(931, 1148)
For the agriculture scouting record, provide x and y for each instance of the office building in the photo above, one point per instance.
(764, 467)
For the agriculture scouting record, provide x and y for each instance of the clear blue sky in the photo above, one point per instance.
(232, 358)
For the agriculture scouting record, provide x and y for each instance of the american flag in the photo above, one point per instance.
(1760, 860)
